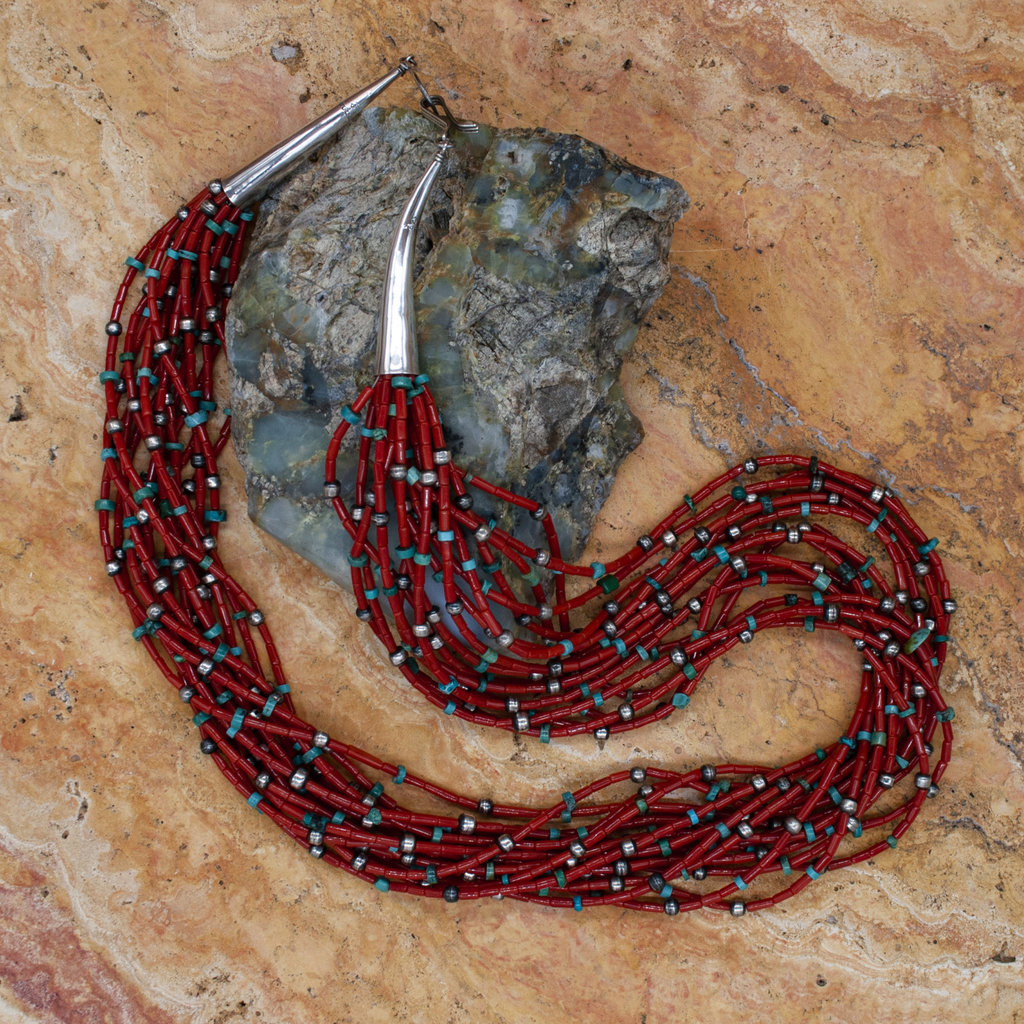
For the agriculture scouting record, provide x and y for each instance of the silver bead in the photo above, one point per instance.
(750, 466)
(877, 494)
(616, 884)
(621, 868)
(161, 584)
(114, 426)
(183, 212)
(703, 535)
(453, 607)
(435, 641)
(256, 617)
(793, 535)
(538, 513)
(628, 848)
(833, 498)
(209, 543)
(922, 781)
(708, 773)
(759, 782)
(421, 629)
(113, 567)
(792, 824)
(505, 843)
(745, 636)
(428, 478)
(744, 829)
(212, 314)
(545, 612)
(887, 604)
(783, 785)
(142, 515)
(298, 778)
(262, 780)
(321, 739)
(577, 849)
(949, 606)
(521, 721)
(153, 442)
(892, 649)
(188, 325)
(922, 568)
(442, 456)
(737, 908)
(186, 693)
(482, 532)
(134, 405)
(734, 532)
(161, 348)
(554, 686)
(399, 656)
(316, 851)
(609, 628)
(380, 518)
(408, 843)
(918, 691)
(626, 712)
(208, 207)
(831, 612)
(678, 656)
(204, 593)
(901, 596)
(315, 837)
(645, 542)
(485, 806)
(155, 611)
(638, 775)
(467, 824)
(739, 565)
(668, 538)
(601, 733)
(205, 667)
(848, 805)
(695, 605)
(542, 557)
(359, 861)
(852, 823)
(512, 705)
(884, 635)
(113, 328)
(215, 187)
(398, 471)
(886, 781)
(933, 791)
(505, 638)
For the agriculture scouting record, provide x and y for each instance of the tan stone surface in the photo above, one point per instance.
(848, 281)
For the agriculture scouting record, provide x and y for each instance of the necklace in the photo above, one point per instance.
(714, 573)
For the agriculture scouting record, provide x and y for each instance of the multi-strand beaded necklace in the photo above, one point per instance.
(507, 644)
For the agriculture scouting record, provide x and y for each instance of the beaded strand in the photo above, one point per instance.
(503, 650)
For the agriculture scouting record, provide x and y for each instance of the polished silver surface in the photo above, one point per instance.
(396, 340)
(253, 182)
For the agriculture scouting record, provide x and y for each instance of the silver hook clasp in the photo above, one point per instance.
(435, 108)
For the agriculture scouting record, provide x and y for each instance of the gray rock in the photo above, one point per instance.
(539, 256)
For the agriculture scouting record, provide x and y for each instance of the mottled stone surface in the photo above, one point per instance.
(539, 255)
(849, 280)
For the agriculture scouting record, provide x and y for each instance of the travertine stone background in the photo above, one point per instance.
(849, 281)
